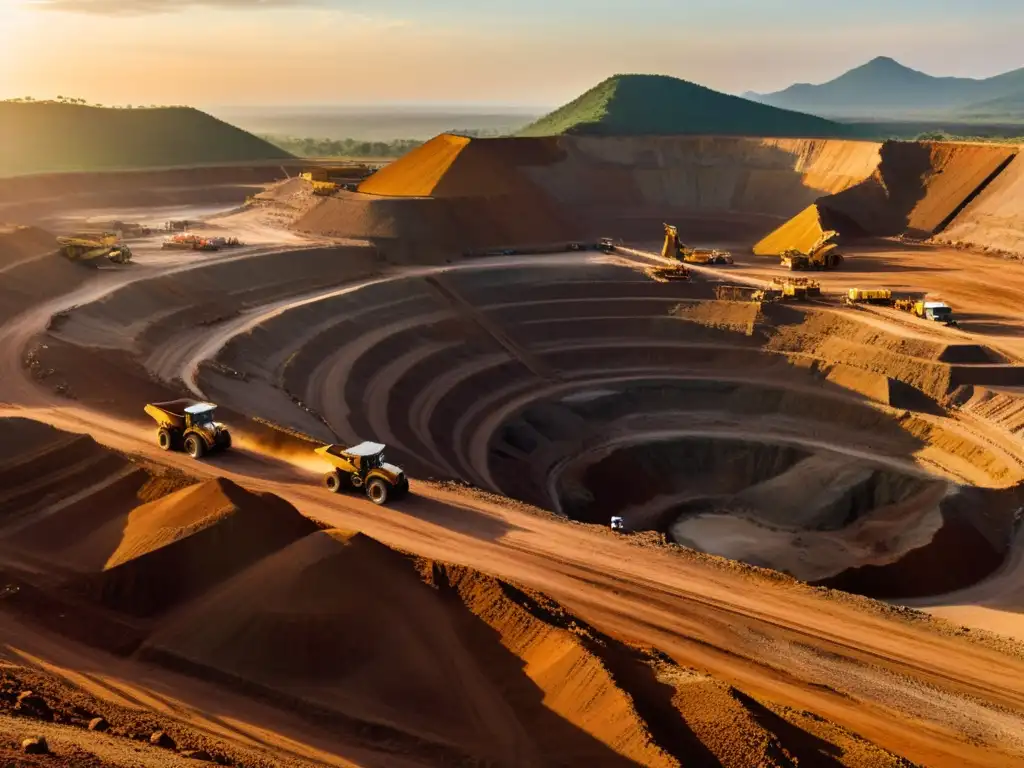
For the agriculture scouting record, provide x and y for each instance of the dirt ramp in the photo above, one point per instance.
(174, 548)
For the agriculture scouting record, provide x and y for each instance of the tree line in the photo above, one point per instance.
(309, 147)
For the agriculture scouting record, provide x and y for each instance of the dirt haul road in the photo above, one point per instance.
(740, 636)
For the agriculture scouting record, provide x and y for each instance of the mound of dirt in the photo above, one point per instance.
(178, 546)
(456, 166)
(419, 172)
(445, 661)
(422, 229)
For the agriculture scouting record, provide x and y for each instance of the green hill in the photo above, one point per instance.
(660, 105)
(40, 137)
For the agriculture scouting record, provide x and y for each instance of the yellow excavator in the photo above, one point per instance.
(90, 247)
(822, 255)
(673, 249)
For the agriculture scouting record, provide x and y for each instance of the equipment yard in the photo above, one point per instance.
(818, 552)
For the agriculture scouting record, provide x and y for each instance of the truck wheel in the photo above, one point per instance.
(225, 440)
(402, 489)
(194, 447)
(377, 490)
(332, 482)
(163, 439)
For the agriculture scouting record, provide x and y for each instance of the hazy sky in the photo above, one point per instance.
(532, 52)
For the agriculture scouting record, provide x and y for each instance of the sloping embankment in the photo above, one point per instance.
(918, 189)
(994, 221)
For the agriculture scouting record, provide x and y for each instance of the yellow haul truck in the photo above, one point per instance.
(189, 425)
(362, 467)
(822, 255)
(89, 247)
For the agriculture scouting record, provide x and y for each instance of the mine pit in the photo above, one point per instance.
(858, 449)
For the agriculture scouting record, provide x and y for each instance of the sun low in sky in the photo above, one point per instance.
(526, 52)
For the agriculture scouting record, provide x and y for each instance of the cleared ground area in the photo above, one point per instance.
(776, 466)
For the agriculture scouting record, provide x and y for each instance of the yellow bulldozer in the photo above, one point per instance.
(89, 247)
(325, 188)
(823, 254)
(673, 249)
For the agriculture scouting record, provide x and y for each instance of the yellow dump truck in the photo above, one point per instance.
(189, 425)
(823, 254)
(88, 247)
(880, 296)
(363, 468)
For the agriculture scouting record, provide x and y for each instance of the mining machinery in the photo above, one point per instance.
(88, 247)
(189, 425)
(673, 249)
(822, 255)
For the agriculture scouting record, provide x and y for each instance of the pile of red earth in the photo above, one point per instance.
(330, 625)
(451, 194)
(533, 680)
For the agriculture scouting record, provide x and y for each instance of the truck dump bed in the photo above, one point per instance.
(172, 412)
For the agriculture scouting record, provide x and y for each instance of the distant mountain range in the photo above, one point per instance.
(885, 89)
(646, 105)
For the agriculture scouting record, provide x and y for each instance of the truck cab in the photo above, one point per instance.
(937, 311)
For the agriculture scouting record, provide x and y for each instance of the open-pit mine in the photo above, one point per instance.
(817, 558)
